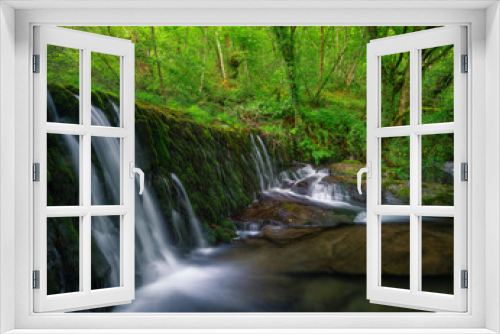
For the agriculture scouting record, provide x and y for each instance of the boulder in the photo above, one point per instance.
(302, 187)
(342, 249)
(282, 212)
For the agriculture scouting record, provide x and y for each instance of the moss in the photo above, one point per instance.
(62, 255)
(227, 238)
(404, 193)
(352, 162)
(445, 198)
(222, 232)
(227, 224)
(213, 162)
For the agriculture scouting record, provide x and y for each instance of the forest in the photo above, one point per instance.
(306, 85)
(250, 139)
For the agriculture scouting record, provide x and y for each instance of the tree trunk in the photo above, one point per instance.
(354, 60)
(404, 104)
(228, 56)
(221, 58)
(321, 53)
(286, 42)
(205, 49)
(247, 71)
(279, 63)
(336, 64)
(158, 66)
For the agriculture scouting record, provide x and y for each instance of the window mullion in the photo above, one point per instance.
(85, 252)
(414, 170)
(421, 129)
(433, 129)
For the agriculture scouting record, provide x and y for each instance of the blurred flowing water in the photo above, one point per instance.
(152, 249)
(171, 280)
(191, 216)
(307, 184)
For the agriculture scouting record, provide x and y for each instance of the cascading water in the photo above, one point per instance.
(248, 230)
(199, 280)
(70, 141)
(270, 170)
(309, 184)
(193, 220)
(152, 250)
(151, 236)
(164, 281)
(264, 169)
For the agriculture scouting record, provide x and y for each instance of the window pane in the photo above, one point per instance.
(63, 75)
(437, 254)
(395, 241)
(63, 164)
(437, 84)
(106, 79)
(105, 264)
(63, 255)
(105, 171)
(437, 170)
(395, 169)
(395, 91)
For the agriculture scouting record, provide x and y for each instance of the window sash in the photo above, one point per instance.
(413, 43)
(333, 13)
(85, 298)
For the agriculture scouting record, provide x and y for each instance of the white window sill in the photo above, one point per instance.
(252, 331)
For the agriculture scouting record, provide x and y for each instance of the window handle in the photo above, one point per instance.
(368, 171)
(135, 170)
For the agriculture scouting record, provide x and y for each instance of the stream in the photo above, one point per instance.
(176, 270)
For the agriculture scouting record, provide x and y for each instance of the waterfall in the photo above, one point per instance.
(247, 229)
(70, 141)
(152, 250)
(193, 220)
(156, 232)
(264, 169)
(268, 162)
(151, 244)
(309, 184)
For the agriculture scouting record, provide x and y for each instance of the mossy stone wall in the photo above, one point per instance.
(213, 161)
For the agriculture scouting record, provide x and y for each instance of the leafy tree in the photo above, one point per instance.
(305, 85)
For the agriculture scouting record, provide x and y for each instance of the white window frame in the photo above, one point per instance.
(413, 44)
(86, 44)
(484, 50)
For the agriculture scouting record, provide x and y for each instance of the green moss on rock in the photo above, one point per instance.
(213, 162)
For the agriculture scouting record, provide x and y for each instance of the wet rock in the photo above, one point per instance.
(394, 192)
(282, 212)
(285, 236)
(287, 184)
(302, 187)
(342, 249)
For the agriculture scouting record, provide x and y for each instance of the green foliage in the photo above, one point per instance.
(204, 116)
(396, 158)
(306, 86)
(211, 159)
(200, 115)
(223, 232)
